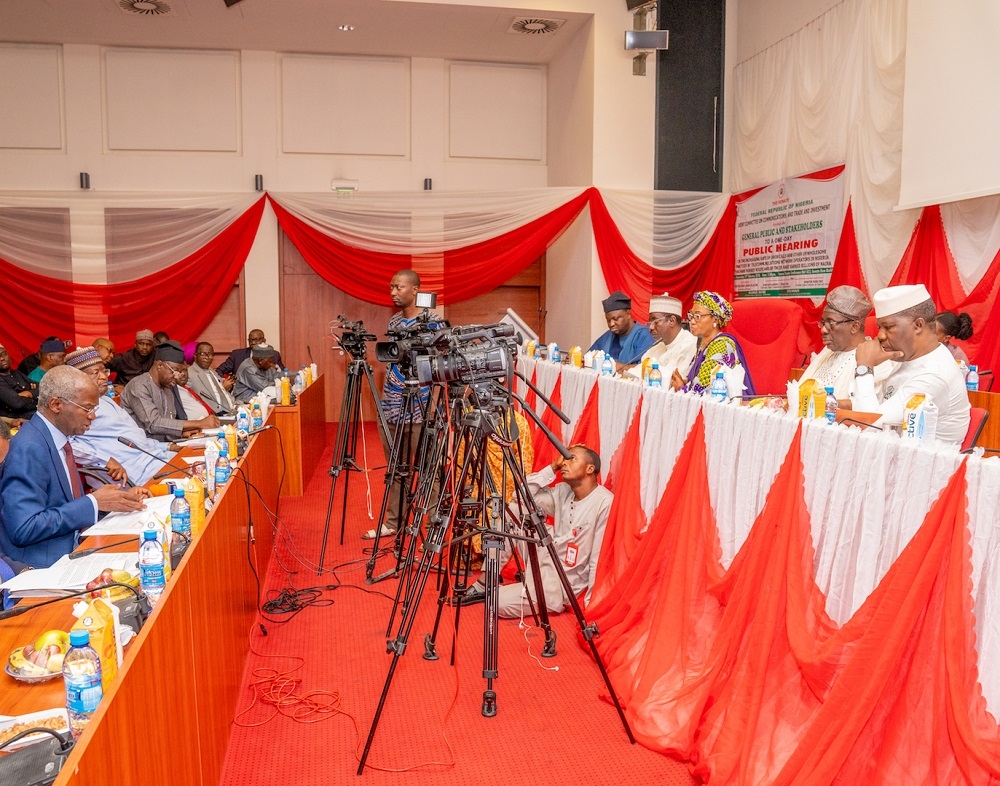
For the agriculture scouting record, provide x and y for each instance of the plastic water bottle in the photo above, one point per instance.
(972, 380)
(928, 421)
(831, 406)
(211, 460)
(82, 676)
(655, 378)
(151, 576)
(180, 513)
(720, 392)
(222, 468)
(596, 359)
(110, 390)
(554, 354)
(242, 419)
(256, 416)
(607, 366)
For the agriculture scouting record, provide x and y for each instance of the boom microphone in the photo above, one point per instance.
(130, 444)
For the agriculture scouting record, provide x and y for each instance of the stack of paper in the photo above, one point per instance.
(69, 575)
(157, 509)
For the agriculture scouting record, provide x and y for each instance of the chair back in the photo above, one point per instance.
(977, 419)
(770, 332)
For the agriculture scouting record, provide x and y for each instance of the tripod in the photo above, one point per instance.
(345, 448)
(491, 402)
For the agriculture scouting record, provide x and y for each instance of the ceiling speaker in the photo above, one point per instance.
(231, 3)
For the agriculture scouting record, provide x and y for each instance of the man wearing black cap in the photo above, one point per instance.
(152, 401)
(51, 354)
(255, 373)
(626, 340)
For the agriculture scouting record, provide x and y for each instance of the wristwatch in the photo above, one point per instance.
(860, 371)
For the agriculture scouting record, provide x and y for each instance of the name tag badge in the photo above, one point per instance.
(572, 552)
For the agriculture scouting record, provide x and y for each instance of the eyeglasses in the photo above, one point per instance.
(829, 323)
(654, 321)
(88, 410)
(693, 317)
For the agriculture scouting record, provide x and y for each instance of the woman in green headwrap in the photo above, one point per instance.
(710, 312)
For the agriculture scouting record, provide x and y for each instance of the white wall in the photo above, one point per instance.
(761, 23)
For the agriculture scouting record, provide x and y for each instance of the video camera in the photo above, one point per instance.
(352, 339)
(469, 354)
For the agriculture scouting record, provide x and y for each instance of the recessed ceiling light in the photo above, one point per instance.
(346, 28)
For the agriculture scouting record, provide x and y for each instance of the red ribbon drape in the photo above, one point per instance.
(455, 275)
(712, 268)
(180, 300)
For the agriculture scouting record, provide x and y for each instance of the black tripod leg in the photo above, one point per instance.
(349, 462)
(549, 650)
(492, 542)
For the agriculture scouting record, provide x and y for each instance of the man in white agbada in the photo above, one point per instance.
(842, 327)
(675, 347)
(580, 506)
(905, 316)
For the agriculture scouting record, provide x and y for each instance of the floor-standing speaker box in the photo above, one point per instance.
(689, 77)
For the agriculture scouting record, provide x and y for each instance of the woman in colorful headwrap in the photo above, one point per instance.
(710, 312)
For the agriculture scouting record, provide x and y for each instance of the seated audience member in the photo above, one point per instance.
(710, 312)
(843, 328)
(18, 394)
(580, 506)
(51, 354)
(625, 340)
(949, 325)
(208, 385)
(9, 567)
(229, 366)
(256, 373)
(134, 362)
(30, 362)
(194, 406)
(105, 348)
(905, 318)
(154, 402)
(100, 442)
(159, 337)
(675, 347)
(44, 507)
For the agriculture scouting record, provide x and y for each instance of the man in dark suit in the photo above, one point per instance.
(229, 366)
(44, 507)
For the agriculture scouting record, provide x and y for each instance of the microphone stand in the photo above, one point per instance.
(87, 552)
(130, 444)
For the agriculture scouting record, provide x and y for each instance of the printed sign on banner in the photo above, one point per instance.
(787, 236)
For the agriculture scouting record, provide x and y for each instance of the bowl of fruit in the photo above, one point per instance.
(99, 588)
(41, 660)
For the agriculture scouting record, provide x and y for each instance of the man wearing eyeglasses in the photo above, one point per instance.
(675, 347)
(44, 504)
(99, 445)
(227, 368)
(153, 401)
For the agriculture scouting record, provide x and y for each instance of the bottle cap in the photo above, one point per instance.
(829, 390)
(178, 492)
(719, 374)
(79, 637)
(149, 534)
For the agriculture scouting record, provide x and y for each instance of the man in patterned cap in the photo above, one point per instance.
(256, 372)
(100, 442)
(153, 401)
(134, 362)
(625, 339)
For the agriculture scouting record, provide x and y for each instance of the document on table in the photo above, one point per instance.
(69, 575)
(132, 523)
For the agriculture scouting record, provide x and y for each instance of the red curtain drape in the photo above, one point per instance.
(454, 275)
(545, 451)
(712, 268)
(588, 425)
(181, 299)
(742, 672)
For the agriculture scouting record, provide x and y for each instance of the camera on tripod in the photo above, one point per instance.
(353, 338)
(469, 354)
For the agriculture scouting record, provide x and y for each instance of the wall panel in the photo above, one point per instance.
(31, 97)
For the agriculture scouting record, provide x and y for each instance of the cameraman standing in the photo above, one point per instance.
(403, 290)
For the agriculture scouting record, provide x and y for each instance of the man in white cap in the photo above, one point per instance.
(675, 347)
(905, 318)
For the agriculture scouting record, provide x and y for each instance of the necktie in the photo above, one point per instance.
(179, 412)
(199, 399)
(74, 474)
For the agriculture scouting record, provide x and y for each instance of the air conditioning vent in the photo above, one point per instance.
(145, 7)
(533, 26)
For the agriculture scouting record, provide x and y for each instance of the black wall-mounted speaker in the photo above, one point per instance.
(231, 3)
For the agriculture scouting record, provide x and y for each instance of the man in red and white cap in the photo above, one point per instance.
(675, 347)
(905, 318)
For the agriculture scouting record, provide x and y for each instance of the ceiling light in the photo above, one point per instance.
(346, 28)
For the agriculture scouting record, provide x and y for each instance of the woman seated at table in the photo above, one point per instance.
(950, 325)
(710, 312)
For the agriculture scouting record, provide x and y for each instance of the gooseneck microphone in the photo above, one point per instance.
(130, 444)
(144, 607)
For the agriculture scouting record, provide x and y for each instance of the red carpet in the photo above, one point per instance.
(551, 726)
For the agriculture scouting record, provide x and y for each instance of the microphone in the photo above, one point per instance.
(309, 352)
(138, 614)
(258, 430)
(87, 552)
(130, 444)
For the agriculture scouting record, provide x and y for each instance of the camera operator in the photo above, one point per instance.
(403, 290)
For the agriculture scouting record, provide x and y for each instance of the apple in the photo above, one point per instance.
(59, 638)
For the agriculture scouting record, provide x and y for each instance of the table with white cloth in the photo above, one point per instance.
(867, 491)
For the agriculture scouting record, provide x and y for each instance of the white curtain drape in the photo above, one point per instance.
(665, 228)
(99, 238)
(422, 222)
(830, 93)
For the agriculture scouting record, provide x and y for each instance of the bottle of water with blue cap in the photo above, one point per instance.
(720, 392)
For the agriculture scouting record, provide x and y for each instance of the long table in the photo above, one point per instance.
(169, 711)
(303, 431)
